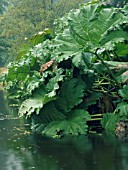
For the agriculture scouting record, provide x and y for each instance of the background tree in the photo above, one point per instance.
(23, 19)
(3, 5)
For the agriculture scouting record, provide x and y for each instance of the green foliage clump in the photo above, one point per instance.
(62, 82)
(110, 120)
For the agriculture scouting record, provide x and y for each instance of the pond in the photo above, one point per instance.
(21, 150)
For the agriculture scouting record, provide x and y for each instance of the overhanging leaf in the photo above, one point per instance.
(75, 125)
(33, 84)
(71, 95)
(34, 104)
(30, 106)
(50, 113)
(53, 83)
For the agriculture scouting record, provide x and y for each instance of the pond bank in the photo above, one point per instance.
(21, 150)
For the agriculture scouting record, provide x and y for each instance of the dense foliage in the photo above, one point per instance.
(63, 82)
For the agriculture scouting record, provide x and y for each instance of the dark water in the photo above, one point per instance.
(20, 150)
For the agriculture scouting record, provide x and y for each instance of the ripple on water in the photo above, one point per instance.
(7, 117)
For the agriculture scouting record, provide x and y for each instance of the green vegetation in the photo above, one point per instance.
(78, 72)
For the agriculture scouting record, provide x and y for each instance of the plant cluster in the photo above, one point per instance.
(82, 71)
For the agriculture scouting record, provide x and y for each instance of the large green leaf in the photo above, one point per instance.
(22, 68)
(90, 30)
(49, 113)
(122, 49)
(32, 82)
(34, 104)
(83, 61)
(36, 39)
(122, 108)
(75, 125)
(40, 37)
(109, 121)
(30, 106)
(53, 83)
(124, 92)
(17, 72)
(71, 95)
(66, 46)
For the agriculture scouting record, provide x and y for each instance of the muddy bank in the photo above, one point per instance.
(3, 70)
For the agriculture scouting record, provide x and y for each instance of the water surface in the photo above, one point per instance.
(20, 150)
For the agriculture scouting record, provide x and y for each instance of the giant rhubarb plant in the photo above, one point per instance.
(77, 63)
